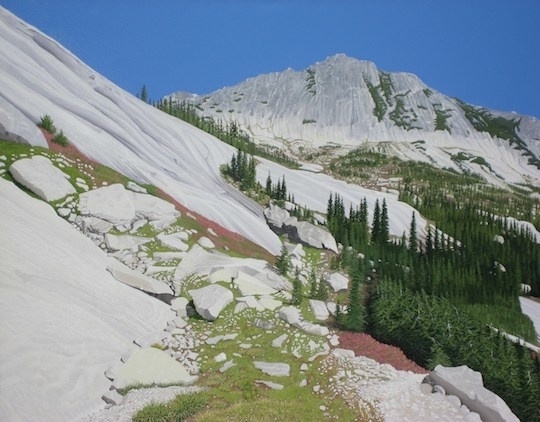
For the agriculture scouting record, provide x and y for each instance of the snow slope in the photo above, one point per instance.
(334, 101)
(64, 319)
(114, 128)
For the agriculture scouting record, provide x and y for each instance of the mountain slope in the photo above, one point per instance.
(349, 102)
(114, 128)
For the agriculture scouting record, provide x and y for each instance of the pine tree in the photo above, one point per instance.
(413, 240)
(313, 286)
(282, 262)
(144, 94)
(269, 185)
(384, 227)
(354, 320)
(298, 290)
(376, 226)
(322, 290)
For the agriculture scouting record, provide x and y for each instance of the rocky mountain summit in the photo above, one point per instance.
(345, 103)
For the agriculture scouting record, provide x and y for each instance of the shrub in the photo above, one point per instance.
(46, 123)
(61, 139)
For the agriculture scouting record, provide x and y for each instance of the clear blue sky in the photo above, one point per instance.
(486, 52)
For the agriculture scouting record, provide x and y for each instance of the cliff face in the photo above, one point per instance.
(349, 102)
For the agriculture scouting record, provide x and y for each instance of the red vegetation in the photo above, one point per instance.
(364, 345)
(224, 238)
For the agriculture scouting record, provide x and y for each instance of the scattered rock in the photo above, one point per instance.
(206, 243)
(263, 324)
(270, 384)
(278, 342)
(221, 357)
(273, 369)
(290, 314)
(135, 187)
(113, 397)
(173, 241)
(133, 278)
(229, 364)
(111, 203)
(121, 242)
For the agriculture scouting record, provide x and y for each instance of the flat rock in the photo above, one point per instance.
(151, 207)
(251, 302)
(132, 186)
(119, 242)
(152, 366)
(270, 303)
(180, 305)
(467, 385)
(319, 309)
(270, 384)
(168, 256)
(173, 241)
(133, 278)
(273, 369)
(338, 282)
(41, 176)
(248, 285)
(210, 300)
(314, 329)
(226, 366)
(343, 353)
(111, 203)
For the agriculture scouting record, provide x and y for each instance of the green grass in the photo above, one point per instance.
(180, 409)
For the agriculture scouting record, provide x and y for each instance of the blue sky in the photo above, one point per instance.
(486, 52)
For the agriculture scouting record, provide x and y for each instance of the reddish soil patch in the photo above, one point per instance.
(224, 239)
(364, 345)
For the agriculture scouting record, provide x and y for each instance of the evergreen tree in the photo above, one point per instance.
(354, 320)
(144, 94)
(298, 289)
(384, 235)
(376, 226)
(269, 186)
(282, 262)
(413, 239)
(322, 289)
(313, 286)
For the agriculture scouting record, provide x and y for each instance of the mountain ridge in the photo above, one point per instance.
(349, 102)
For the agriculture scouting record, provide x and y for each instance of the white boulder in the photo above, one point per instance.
(111, 203)
(41, 176)
(273, 369)
(121, 242)
(210, 300)
(206, 243)
(319, 309)
(290, 314)
(337, 281)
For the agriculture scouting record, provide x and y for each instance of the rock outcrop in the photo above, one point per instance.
(210, 300)
(280, 221)
(468, 386)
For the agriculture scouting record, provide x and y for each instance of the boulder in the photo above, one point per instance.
(173, 241)
(280, 221)
(152, 366)
(337, 281)
(39, 174)
(135, 187)
(94, 224)
(120, 242)
(273, 369)
(151, 207)
(210, 300)
(278, 342)
(112, 397)
(251, 302)
(168, 256)
(133, 278)
(275, 216)
(206, 243)
(180, 306)
(249, 285)
(319, 309)
(270, 384)
(111, 203)
(290, 314)
(468, 386)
